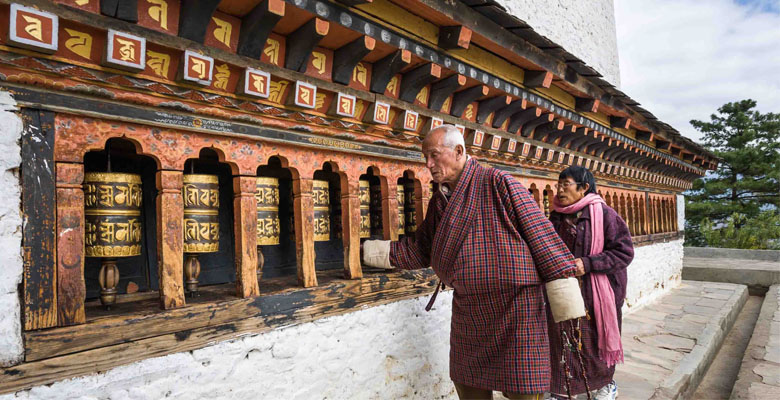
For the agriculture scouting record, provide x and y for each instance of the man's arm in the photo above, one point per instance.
(552, 258)
(416, 254)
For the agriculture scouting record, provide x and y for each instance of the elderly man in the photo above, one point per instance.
(485, 237)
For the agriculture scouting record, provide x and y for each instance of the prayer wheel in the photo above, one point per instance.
(411, 208)
(365, 209)
(376, 210)
(268, 232)
(321, 197)
(401, 203)
(201, 223)
(112, 224)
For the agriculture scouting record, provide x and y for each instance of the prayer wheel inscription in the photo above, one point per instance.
(321, 196)
(201, 213)
(400, 201)
(376, 210)
(267, 196)
(112, 213)
(410, 208)
(365, 209)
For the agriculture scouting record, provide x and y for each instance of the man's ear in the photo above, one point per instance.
(460, 151)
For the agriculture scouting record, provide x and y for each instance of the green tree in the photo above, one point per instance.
(737, 205)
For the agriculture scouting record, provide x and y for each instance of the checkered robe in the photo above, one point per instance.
(494, 246)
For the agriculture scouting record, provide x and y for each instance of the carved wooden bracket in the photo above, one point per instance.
(413, 81)
(346, 57)
(462, 99)
(584, 104)
(256, 26)
(522, 118)
(620, 122)
(486, 107)
(301, 43)
(504, 113)
(386, 68)
(454, 37)
(538, 79)
(529, 126)
(194, 19)
(443, 89)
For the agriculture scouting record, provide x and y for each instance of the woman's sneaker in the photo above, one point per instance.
(608, 392)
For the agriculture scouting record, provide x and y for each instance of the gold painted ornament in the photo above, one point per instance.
(201, 223)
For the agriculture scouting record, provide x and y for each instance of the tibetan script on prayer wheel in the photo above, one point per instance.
(410, 208)
(376, 210)
(365, 209)
(400, 200)
(267, 196)
(321, 196)
(201, 213)
(112, 214)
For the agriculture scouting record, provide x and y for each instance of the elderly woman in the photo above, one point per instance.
(601, 244)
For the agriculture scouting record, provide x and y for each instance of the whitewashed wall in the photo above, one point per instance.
(10, 232)
(393, 351)
(584, 28)
(656, 269)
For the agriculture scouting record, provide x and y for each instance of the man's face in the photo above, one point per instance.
(445, 164)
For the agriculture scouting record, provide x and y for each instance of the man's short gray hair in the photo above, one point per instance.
(452, 136)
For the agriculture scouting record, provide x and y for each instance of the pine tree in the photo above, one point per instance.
(744, 192)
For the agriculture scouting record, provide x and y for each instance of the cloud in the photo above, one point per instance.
(682, 59)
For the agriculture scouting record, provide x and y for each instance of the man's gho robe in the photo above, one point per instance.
(494, 246)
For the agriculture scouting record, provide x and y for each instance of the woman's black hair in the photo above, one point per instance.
(581, 176)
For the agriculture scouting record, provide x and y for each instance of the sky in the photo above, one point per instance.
(682, 59)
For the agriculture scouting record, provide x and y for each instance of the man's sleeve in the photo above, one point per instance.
(416, 253)
(552, 258)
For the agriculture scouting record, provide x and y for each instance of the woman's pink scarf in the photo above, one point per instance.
(608, 333)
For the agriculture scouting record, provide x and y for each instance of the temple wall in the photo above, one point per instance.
(584, 28)
(10, 232)
(395, 350)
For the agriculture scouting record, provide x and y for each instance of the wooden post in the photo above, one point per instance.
(71, 290)
(304, 231)
(170, 238)
(350, 229)
(245, 235)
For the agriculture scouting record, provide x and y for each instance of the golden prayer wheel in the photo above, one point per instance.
(376, 210)
(399, 198)
(112, 224)
(411, 208)
(267, 197)
(201, 223)
(321, 196)
(365, 209)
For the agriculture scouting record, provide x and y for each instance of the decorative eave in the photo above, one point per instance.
(444, 73)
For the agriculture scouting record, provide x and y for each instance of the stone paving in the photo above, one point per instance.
(759, 376)
(669, 344)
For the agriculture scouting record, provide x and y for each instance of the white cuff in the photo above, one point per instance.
(565, 299)
(376, 253)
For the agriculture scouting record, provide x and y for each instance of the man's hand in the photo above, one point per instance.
(376, 253)
(580, 267)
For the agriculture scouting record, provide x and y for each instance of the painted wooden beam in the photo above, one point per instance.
(126, 10)
(71, 289)
(170, 234)
(443, 89)
(454, 37)
(355, 2)
(387, 67)
(257, 25)
(529, 126)
(194, 18)
(504, 113)
(523, 117)
(462, 99)
(346, 57)
(542, 131)
(537, 79)
(302, 41)
(585, 104)
(488, 106)
(619, 122)
(414, 80)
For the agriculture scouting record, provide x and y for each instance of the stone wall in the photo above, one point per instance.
(584, 28)
(393, 351)
(10, 232)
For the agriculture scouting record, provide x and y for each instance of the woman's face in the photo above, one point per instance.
(568, 193)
